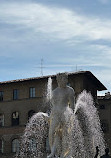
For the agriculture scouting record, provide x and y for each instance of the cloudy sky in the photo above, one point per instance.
(60, 35)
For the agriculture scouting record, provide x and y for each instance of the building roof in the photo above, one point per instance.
(89, 75)
(92, 78)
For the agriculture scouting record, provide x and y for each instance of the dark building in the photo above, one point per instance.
(105, 116)
(20, 99)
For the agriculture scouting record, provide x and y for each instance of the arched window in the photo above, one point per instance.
(15, 118)
(1, 120)
(47, 145)
(31, 113)
(15, 145)
(1, 146)
(32, 145)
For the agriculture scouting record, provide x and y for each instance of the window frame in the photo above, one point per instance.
(102, 107)
(33, 144)
(15, 145)
(104, 126)
(2, 120)
(31, 113)
(1, 95)
(2, 146)
(16, 121)
(32, 92)
(15, 94)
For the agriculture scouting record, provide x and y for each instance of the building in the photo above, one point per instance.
(20, 99)
(105, 116)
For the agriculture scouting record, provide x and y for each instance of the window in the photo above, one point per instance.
(15, 118)
(1, 120)
(15, 145)
(102, 107)
(15, 94)
(32, 92)
(104, 126)
(68, 84)
(1, 95)
(32, 145)
(47, 145)
(1, 146)
(31, 113)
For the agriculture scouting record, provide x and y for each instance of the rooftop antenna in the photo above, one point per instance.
(76, 67)
(41, 67)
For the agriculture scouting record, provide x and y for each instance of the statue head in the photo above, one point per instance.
(62, 79)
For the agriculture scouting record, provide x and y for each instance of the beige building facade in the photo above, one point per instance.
(20, 99)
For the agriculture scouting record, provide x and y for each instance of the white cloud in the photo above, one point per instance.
(104, 1)
(29, 21)
(54, 23)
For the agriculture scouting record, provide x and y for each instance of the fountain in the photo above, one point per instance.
(49, 95)
(73, 129)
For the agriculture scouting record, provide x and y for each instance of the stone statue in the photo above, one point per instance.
(63, 103)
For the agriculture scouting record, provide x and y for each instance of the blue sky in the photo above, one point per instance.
(68, 35)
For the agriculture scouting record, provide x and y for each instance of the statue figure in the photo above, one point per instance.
(63, 102)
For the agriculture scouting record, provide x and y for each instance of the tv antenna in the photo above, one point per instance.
(41, 66)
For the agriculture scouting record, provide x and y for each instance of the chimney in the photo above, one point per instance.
(107, 95)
